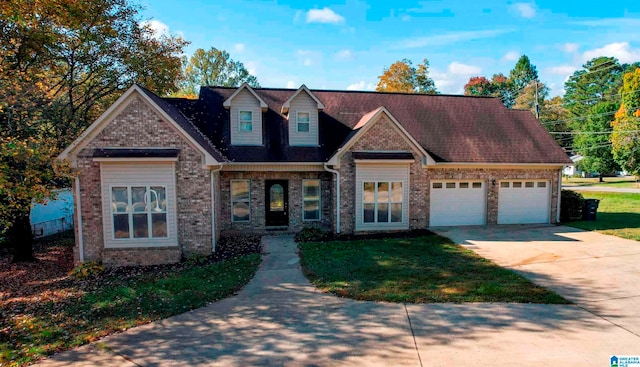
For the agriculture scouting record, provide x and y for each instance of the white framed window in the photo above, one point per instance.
(311, 200)
(303, 122)
(382, 202)
(139, 212)
(245, 120)
(240, 201)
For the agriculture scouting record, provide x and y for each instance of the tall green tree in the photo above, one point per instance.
(593, 140)
(522, 74)
(213, 67)
(599, 80)
(554, 116)
(625, 138)
(62, 62)
(403, 77)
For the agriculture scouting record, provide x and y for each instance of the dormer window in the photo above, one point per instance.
(303, 121)
(245, 121)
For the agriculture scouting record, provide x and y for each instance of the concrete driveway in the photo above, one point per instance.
(599, 273)
(280, 319)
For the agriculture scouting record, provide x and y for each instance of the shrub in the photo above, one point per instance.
(86, 270)
(571, 205)
(312, 234)
(196, 259)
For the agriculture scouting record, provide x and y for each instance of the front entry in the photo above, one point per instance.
(277, 203)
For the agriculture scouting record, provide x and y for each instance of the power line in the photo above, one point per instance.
(577, 118)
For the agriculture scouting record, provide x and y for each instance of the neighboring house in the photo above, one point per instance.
(54, 216)
(161, 178)
(573, 168)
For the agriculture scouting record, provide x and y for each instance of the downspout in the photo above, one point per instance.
(326, 167)
(79, 220)
(559, 196)
(213, 209)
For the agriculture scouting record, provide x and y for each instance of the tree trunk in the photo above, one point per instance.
(22, 239)
(601, 179)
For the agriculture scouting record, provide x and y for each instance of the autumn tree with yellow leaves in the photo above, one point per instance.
(62, 62)
(403, 77)
(625, 137)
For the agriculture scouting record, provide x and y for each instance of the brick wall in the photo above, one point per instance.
(139, 126)
(257, 187)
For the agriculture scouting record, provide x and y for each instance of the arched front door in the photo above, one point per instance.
(277, 203)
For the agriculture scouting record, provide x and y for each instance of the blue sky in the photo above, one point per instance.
(347, 44)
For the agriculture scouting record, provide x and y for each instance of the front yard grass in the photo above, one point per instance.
(618, 214)
(43, 310)
(416, 270)
(626, 182)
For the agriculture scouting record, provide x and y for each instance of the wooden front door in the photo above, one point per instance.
(277, 203)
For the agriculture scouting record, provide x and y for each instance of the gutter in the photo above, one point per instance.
(213, 208)
(326, 167)
(559, 196)
(79, 220)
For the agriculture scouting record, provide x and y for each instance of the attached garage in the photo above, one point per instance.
(458, 203)
(524, 202)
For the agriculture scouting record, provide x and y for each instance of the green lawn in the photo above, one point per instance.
(418, 270)
(67, 313)
(628, 182)
(618, 214)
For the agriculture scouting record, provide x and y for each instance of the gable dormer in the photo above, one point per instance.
(245, 116)
(302, 111)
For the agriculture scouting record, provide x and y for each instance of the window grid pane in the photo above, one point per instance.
(139, 212)
(382, 202)
(240, 198)
(311, 199)
(246, 120)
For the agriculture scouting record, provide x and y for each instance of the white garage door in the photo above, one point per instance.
(524, 201)
(457, 203)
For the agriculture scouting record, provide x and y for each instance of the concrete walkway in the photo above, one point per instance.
(279, 319)
(603, 189)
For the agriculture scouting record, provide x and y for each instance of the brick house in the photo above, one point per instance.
(161, 178)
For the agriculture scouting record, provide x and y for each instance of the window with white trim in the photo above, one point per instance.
(139, 211)
(240, 199)
(245, 119)
(310, 200)
(303, 121)
(382, 202)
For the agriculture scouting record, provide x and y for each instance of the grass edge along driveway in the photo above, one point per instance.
(415, 270)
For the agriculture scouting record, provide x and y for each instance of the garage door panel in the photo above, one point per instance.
(524, 202)
(455, 203)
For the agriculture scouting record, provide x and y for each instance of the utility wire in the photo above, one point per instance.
(592, 132)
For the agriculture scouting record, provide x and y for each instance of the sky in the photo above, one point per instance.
(347, 44)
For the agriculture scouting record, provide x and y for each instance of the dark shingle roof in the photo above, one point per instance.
(450, 128)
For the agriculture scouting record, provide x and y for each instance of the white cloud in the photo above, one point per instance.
(458, 68)
(239, 47)
(252, 67)
(570, 47)
(563, 70)
(344, 55)
(620, 50)
(361, 85)
(308, 58)
(450, 38)
(291, 84)
(324, 15)
(158, 28)
(610, 22)
(510, 56)
(526, 10)
(449, 83)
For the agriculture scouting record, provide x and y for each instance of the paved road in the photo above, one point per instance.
(279, 319)
(603, 189)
